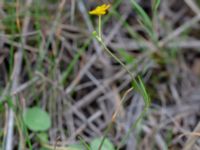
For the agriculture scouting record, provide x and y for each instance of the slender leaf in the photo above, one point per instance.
(155, 5)
(144, 18)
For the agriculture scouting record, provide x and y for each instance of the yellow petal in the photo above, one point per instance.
(100, 10)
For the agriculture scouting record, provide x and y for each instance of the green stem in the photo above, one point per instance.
(100, 27)
(99, 38)
(132, 78)
(117, 59)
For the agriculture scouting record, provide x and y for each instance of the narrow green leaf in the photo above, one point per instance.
(155, 5)
(144, 18)
(86, 145)
(1, 106)
(144, 92)
(10, 102)
(127, 57)
(139, 86)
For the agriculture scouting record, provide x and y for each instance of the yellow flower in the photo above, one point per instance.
(100, 10)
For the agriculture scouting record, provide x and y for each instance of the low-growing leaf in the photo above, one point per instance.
(37, 119)
(107, 145)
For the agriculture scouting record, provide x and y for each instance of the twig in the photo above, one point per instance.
(179, 30)
(15, 79)
(193, 6)
(192, 139)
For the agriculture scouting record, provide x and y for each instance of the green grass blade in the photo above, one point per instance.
(138, 85)
(155, 5)
(143, 15)
(144, 92)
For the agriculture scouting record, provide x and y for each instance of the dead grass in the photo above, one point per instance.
(49, 58)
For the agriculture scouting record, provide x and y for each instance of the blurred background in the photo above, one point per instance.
(59, 89)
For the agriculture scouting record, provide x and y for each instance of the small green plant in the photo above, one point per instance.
(107, 145)
(36, 119)
(137, 84)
